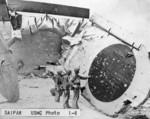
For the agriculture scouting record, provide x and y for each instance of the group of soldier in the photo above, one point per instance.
(66, 82)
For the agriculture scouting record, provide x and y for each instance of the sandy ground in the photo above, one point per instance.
(34, 93)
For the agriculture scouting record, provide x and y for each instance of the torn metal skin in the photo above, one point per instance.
(94, 50)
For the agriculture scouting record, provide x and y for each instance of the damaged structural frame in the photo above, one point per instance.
(33, 7)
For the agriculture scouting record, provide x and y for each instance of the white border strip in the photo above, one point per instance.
(40, 112)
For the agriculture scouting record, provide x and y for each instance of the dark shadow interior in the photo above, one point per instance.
(111, 72)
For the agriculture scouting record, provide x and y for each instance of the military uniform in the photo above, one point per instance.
(57, 91)
(66, 87)
(76, 86)
(62, 86)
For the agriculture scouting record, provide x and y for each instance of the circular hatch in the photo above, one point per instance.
(111, 72)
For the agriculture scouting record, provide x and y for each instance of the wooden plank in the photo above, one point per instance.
(38, 7)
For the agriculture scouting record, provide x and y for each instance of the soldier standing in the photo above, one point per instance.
(62, 85)
(76, 87)
(57, 91)
(66, 89)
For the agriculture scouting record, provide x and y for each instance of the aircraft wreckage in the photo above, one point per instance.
(118, 64)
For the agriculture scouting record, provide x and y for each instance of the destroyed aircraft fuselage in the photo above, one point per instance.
(112, 58)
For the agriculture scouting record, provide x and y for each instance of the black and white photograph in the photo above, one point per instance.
(73, 59)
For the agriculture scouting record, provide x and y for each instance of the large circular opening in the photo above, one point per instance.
(111, 72)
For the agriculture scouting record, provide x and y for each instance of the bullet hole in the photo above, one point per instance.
(125, 107)
(134, 97)
(127, 102)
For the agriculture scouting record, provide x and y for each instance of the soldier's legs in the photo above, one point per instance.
(76, 92)
(52, 91)
(66, 99)
(58, 94)
(82, 89)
